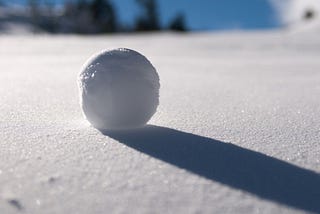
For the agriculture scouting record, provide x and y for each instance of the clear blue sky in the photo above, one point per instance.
(204, 14)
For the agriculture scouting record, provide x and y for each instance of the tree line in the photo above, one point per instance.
(99, 16)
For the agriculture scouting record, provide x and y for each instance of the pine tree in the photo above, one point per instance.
(178, 23)
(149, 21)
(103, 14)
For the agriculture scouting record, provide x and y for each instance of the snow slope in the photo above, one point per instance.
(237, 129)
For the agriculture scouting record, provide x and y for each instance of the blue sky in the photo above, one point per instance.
(211, 14)
(205, 14)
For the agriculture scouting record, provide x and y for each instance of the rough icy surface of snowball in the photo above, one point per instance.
(119, 89)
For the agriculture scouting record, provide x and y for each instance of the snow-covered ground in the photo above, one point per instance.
(237, 129)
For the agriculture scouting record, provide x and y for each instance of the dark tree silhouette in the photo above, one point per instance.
(103, 14)
(33, 5)
(178, 23)
(34, 13)
(50, 21)
(89, 17)
(149, 21)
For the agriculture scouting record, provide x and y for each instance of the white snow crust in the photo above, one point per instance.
(237, 129)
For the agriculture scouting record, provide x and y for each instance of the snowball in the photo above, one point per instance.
(119, 89)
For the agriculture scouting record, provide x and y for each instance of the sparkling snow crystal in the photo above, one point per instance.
(119, 89)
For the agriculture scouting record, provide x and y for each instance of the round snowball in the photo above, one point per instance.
(119, 89)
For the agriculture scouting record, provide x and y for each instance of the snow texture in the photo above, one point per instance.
(237, 129)
(292, 12)
(119, 89)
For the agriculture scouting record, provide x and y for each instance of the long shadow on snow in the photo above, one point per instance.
(240, 168)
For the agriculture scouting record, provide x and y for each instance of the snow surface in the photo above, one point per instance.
(237, 129)
(292, 12)
(119, 89)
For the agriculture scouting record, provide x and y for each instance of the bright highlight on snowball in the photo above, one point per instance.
(119, 89)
